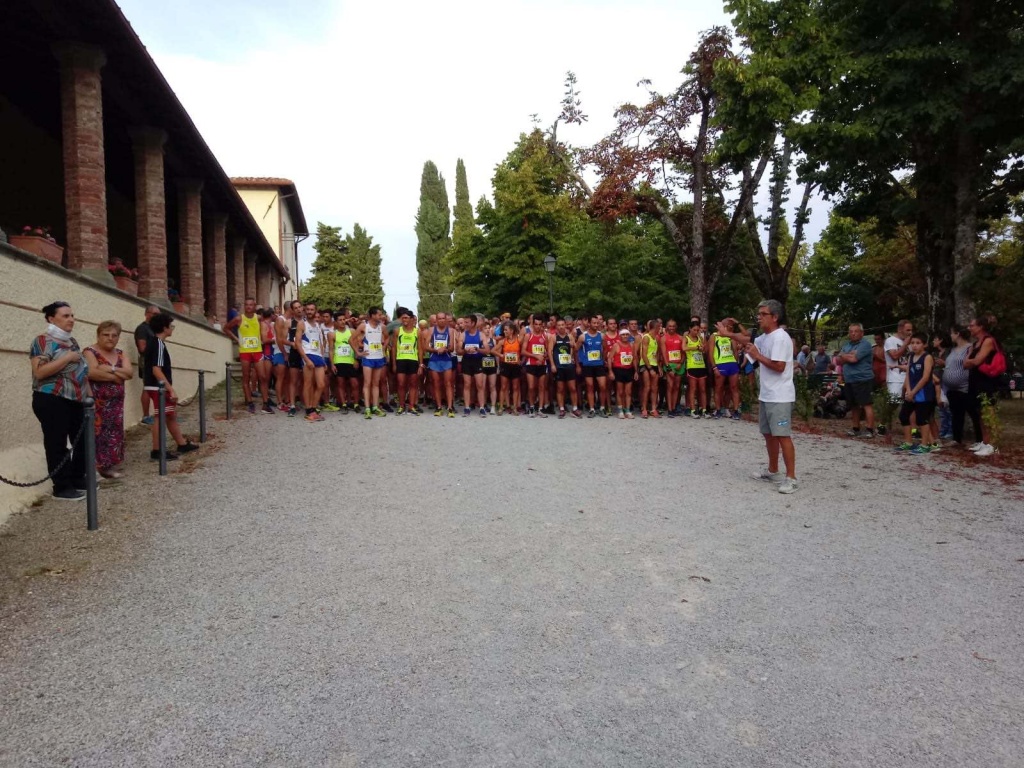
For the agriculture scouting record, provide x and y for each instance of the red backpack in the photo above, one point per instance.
(997, 365)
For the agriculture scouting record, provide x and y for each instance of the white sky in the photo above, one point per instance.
(351, 107)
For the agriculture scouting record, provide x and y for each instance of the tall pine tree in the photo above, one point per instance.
(346, 270)
(460, 260)
(433, 225)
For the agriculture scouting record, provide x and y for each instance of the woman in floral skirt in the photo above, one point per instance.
(108, 371)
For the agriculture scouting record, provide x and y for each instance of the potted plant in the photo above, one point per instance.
(39, 241)
(176, 299)
(125, 278)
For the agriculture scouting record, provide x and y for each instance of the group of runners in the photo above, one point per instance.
(601, 367)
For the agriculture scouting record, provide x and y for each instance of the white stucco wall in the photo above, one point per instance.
(27, 284)
(265, 207)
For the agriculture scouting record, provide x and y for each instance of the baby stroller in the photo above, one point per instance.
(830, 403)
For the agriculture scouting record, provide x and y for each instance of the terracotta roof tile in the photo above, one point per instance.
(270, 181)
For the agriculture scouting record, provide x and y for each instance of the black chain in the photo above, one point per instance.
(58, 468)
(188, 401)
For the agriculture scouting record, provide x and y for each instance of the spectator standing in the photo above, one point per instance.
(59, 387)
(918, 398)
(896, 348)
(803, 356)
(822, 362)
(158, 369)
(143, 338)
(955, 383)
(940, 351)
(878, 366)
(108, 371)
(980, 385)
(856, 357)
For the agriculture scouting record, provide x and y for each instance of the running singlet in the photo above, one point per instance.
(249, 335)
(592, 350)
(538, 345)
(471, 344)
(915, 370)
(407, 344)
(722, 350)
(563, 352)
(373, 342)
(270, 347)
(275, 348)
(674, 349)
(343, 348)
(651, 358)
(511, 356)
(694, 356)
(442, 341)
(624, 357)
(311, 340)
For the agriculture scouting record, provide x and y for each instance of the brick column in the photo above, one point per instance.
(150, 214)
(215, 266)
(190, 238)
(85, 178)
(236, 271)
(264, 283)
(250, 275)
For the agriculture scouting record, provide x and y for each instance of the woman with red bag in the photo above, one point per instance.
(982, 364)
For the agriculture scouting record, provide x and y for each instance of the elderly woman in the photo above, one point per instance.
(108, 371)
(59, 386)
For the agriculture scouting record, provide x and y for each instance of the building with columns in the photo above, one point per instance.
(274, 204)
(96, 147)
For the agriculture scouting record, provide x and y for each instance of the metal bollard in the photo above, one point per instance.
(162, 416)
(89, 436)
(227, 387)
(202, 406)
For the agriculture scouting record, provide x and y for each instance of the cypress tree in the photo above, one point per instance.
(461, 257)
(433, 225)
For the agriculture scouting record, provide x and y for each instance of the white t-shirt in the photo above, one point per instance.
(893, 375)
(776, 387)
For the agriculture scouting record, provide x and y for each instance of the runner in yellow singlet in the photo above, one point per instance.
(727, 370)
(406, 362)
(650, 369)
(696, 371)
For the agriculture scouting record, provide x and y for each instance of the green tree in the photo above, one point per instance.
(461, 257)
(346, 270)
(433, 225)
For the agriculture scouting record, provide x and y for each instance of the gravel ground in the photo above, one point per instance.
(508, 591)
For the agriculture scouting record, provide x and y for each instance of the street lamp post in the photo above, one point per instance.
(549, 265)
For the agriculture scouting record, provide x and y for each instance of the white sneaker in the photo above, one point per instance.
(985, 450)
(975, 447)
(788, 485)
(774, 477)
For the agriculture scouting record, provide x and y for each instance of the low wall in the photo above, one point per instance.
(27, 284)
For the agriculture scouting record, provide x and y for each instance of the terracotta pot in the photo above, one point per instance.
(127, 285)
(180, 307)
(40, 246)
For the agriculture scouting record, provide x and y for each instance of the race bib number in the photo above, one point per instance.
(406, 349)
(626, 359)
(511, 357)
(249, 344)
(698, 358)
(315, 345)
(538, 349)
(675, 355)
(564, 358)
(440, 345)
(488, 362)
(594, 355)
(376, 346)
(344, 350)
(472, 349)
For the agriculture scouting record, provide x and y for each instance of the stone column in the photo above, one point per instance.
(85, 178)
(190, 237)
(150, 214)
(250, 275)
(215, 266)
(236, 272)
(264, 283)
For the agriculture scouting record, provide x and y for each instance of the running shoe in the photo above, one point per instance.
(671, 414)
(643, 414)
(577, 413)
(622, 413)
(367, 414)
(629, 414)
(377, 411)
(695, 413)
(561, 413)
(155, 456)
(466, 412)
(532, 413)
(543, 414)
(387, 408)
(250, 407)
(292, 411)
(591, 413)
(985, 451)
(416, 411)
(271, 403)
(921, 450)
(789, 485)
(771, 477)
(903, 448)
(603, 413)
(935, 447)
(483, 413)
(147, 420)
(451, 413)
(70, 494)
(311, 417)
(735, 416)
(284, 407)
(687, 412)
(655, 415)
(707, 414)
(438, 412)
(853, 433)
(867, 434)
(267, 409)
(976, 447)
(331, 407)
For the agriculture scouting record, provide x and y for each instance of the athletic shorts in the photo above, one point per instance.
(923, 411)
(859, 393)
(565, 374)
(728, 369)
(295, 359)
(371, 363)
(594, 372)
(407, 367)
(471, 365)
(346, 371)
(317, 361)
(697, 373)
(250, 357)
(489, 366)
(776, 419)
(623, 375)
(278, 358)
(535, 370)
(510, 371)
(154, 398)
(675, 369)
(440, 365)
